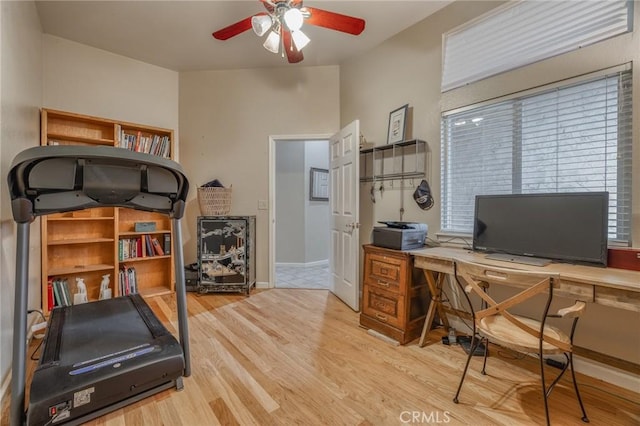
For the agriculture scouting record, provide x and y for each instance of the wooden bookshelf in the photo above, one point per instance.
(85, 244)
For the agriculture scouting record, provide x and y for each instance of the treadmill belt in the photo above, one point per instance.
(116, 326)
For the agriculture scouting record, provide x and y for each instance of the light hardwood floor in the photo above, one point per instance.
(290, 356)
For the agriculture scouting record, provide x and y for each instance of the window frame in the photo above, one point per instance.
(623, 182)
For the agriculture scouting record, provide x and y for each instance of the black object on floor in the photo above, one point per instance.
(554, 363)
(465, 343)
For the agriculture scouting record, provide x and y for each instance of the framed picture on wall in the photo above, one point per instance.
(397, 124)
(318, 184)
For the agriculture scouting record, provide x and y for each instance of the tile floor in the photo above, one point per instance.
(297, 276)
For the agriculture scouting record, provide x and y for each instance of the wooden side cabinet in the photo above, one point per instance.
(395, 294)
(226, 253)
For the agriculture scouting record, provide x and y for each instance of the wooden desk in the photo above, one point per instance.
(617, 288)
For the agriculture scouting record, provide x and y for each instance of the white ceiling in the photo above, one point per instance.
(177, 34)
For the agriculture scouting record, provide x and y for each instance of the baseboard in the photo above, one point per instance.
(382, 337)
(612, 375)
(586, 366)
(262, 284)
(324, 262)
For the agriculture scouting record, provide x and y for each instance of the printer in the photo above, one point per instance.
(400, 235)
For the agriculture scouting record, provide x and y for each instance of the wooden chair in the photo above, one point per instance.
(493, 322)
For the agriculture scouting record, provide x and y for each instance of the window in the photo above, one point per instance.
(573, 137)
(524, 32)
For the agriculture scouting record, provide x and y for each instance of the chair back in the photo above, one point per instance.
(475, 278)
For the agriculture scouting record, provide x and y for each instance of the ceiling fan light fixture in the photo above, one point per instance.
(272, 43)
(261, 24)
(294, 19)
(300, 39)
(281, 23)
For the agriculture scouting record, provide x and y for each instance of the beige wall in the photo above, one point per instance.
(407, 69)
(226, 118)
(403, 70)
(86, 80)
(21, 89)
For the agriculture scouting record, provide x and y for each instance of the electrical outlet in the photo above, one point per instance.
(263, 205)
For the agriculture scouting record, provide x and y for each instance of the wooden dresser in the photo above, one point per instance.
(395, 294)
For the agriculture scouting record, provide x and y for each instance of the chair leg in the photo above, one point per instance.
(466, 367)
(575, 386)
(557, 379)
(544, 389)
(484, 361)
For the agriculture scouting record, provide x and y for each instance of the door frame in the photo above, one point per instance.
(272, 191)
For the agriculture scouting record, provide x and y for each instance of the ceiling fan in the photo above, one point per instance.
(283, 20)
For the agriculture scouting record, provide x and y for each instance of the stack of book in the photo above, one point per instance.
(153, 246)
(58, 293)
(127, 280)
(131, 248)
(143, 142)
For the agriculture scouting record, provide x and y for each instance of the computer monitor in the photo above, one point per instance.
(567, 227)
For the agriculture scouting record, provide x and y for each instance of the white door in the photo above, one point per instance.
(344, 200)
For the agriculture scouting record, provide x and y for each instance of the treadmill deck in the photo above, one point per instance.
(125, 351)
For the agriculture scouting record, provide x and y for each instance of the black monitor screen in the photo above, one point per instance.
(568, 227)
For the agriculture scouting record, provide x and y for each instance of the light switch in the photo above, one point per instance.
(263, 205)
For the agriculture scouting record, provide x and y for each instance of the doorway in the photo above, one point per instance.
(300, 210)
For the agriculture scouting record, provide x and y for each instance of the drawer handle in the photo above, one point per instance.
(383, 283)
(381, 317)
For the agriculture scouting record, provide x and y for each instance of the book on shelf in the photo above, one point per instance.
(167, 244)
(157, 247)
(129, 248)
(137, 145)
(127, 280)
(133, 282)
(147, 240)
(121, 280)
(135, 140)
(66, 295)
(56, 293)
(50, 297)
(61, 292)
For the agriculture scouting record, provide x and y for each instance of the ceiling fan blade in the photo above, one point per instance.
(293, 54)
(234, 29)
(335, 21)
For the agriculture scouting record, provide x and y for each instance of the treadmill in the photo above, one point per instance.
(100, 356)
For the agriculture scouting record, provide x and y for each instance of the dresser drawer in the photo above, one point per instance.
(385, 306)
(385, 272)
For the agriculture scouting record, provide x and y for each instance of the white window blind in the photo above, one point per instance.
(570, 138)
(526, 32)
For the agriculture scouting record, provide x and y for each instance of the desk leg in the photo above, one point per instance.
(435, 288)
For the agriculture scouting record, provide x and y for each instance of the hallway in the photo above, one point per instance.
(310, 277)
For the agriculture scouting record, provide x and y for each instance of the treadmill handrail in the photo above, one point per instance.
(54, 179)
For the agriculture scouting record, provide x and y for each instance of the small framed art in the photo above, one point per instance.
(319, 184)
(397, 124)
